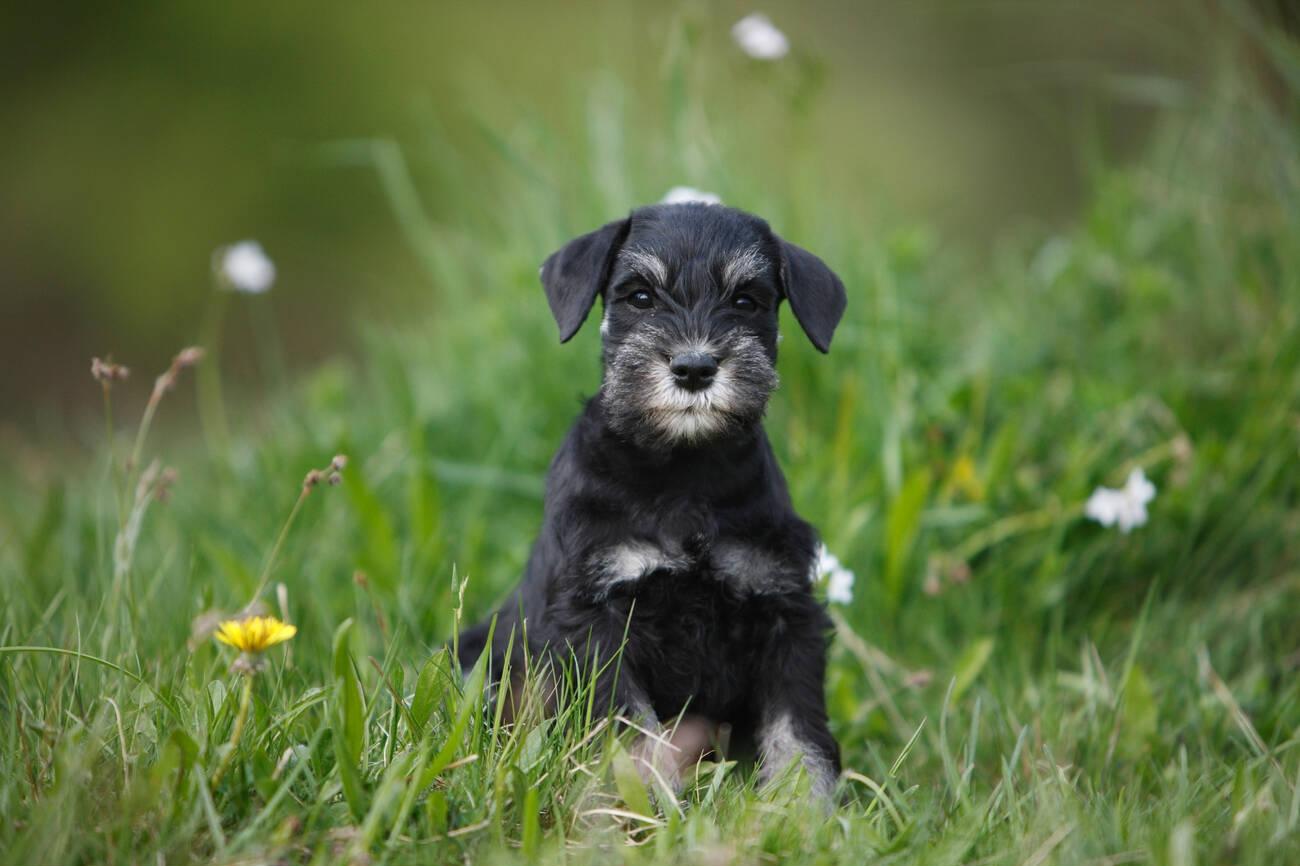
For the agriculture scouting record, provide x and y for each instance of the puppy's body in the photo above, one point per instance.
(668, 529)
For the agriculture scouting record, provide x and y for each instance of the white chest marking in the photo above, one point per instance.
(627, 563)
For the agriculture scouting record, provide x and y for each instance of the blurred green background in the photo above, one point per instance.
(1070, 235)
(140, 137)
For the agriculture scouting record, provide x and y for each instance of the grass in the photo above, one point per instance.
(1011, 683)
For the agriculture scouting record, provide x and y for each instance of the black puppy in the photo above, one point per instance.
(668, 530)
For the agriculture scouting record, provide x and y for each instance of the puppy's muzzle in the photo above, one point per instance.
(693, 371)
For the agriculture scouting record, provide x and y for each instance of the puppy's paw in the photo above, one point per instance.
(664, 757)
(810, 778)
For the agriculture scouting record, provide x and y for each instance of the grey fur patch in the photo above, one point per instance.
(743, 267)
(780, 747)
(630, 562)
(651, 268)
(753, 569)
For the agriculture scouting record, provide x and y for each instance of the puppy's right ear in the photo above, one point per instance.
(575, 274)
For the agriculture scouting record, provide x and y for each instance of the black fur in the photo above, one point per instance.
(667, 518)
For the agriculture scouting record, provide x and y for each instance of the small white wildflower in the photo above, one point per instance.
(245, 267)
(758, 37)
(1126, 507)
(825, 563)
(839, 580)
(839, 587)
(687, 194)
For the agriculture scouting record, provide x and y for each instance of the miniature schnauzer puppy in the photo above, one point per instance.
(670, 560)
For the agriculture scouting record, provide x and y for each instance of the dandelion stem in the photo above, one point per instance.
(212, 407)
(119, 490)
(245, 698)
(271, 355)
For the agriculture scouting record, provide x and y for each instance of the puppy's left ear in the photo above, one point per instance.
(816, 294)
(575, 274)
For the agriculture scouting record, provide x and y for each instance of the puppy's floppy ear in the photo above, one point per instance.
(816, 294)
(576, 273)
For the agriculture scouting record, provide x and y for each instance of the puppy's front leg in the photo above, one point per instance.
(661, 753)
(792, 723)
(666, 752)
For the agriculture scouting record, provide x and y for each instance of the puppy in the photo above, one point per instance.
(668, 533)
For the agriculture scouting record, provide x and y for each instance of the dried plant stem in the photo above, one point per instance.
(124, 550)
(1029, 521)
(245, 698)
(330, 475)
(275, 549)
(127, 535)
(1042, 518)
(362, 580)
(1175, 447)
(129, 521)
(142, 433)
(186, 358)
(148, 483)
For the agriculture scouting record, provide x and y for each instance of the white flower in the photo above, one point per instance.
(839, 588)
(1126, 507)
(686, 194)
(825, 564)
(839, 580)
(758, 37)
(245, 267)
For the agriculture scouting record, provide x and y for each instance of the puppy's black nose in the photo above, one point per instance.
(693, 370)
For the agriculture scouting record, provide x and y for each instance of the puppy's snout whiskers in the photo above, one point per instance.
(665, 390)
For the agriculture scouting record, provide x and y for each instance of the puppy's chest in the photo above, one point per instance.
(741, 566)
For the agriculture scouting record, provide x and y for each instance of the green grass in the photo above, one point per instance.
(1011, 683)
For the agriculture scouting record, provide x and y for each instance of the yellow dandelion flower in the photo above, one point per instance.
(255, 634)
(965, 478)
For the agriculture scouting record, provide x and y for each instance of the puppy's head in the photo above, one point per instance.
(690, 294)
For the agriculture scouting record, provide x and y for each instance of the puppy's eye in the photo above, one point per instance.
(745, 303)
(641, 299)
